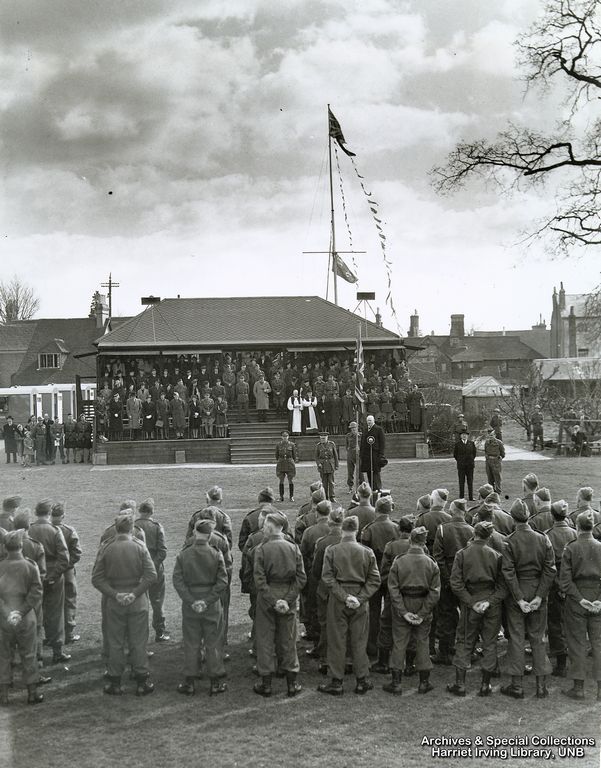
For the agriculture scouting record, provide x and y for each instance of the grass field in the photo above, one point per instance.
(79, 726)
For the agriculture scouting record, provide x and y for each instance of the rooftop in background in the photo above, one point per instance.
(570, 368)
(196, 325)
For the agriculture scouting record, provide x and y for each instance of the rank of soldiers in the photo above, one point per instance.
(441, 586)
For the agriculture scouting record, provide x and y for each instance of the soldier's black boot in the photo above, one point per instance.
(334, 687)
(281, 491)
(577, 691)
(458, 687)
(410, 664)
(394, 686)
(187, 687)
(485, 686)
(291, 491)
(514, 689)
(217, 686)
(424, 682)
(363, 685)
(113, 687)
(559, 670)
(33, 696)
(293, 686)
(4, 695)
(381, 666)
(264, 687)
(541, 687)
(143, 685)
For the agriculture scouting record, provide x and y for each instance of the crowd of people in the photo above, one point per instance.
(40, 440)
(375, 595)
(194, 396)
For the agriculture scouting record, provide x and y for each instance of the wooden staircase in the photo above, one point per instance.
(255, 443)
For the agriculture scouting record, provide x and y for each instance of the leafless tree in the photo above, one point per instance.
(17, 301)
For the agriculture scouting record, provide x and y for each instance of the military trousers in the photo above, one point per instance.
(203, 630)
(447, 617)
(471, 626)
(580, 624)
(555, 622)
(327, 480)
(348, 623)
(403, 633)
(24, 636)
(351, 465)
(494, 471)
(127, 625)
(156, 596)
(275, 637)
(70, 601)
(375, 610)
(522, 626)
(53, 607)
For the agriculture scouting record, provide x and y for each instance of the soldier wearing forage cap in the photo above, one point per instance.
(414, 589)
(72, 542)
(223, 523)
(307, 515)
(350, 574)
(157, 547)
(376, 536)
(472, 515)
(310, 538)
(9, 507)
(502, 521)
(128, 506)
(560, 534)
(363, 509)
(529, 486)
(279, 577)
(123, 572)
(20, 598)
(529, 571)
(478, 584)
(584, 503)
(579, 581)
(326, 458)
(450, 538)
(541, 519)
(250, 522)
(57, 562)
(200, 579)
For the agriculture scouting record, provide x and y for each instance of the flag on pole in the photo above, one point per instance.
(336, 133)
(342, 270)
(359, 370)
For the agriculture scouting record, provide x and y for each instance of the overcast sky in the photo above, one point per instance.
(181, 145)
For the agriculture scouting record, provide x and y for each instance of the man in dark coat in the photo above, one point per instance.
(9, 432)
(464, 453)
(371, 453)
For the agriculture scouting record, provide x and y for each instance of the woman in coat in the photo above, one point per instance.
(149, 417)
(134, 414)
(194, 417)
(162, 412)
(178, 413)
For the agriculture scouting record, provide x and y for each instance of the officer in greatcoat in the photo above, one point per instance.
(286, 455)
(326, 458)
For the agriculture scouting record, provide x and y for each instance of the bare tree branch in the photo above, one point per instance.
(17, 301)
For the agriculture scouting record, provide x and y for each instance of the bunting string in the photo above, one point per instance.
(346, 220)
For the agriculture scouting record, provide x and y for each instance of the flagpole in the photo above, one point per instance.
(357, 477)
(333, 229)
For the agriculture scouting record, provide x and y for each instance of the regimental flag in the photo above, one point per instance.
(359, 370)
(342, 270)
(336, 133)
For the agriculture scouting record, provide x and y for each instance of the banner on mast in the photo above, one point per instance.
(342, 269)
(359, 371)
(336, 133)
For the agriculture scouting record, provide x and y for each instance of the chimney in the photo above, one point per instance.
(562, 297)
(378, 318)
(572, 348)
(414, 324)
(101, 309)
(458, 326)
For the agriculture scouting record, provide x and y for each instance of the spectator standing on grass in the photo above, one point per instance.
(9, 433)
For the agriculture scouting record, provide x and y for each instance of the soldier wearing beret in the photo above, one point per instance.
(286, 456)
(200, 579)
(579, 581)
(21, 596)
(123, 572)
(414, 589)
(529, 571)
(157, 547)
(477, 582)
(279, 577)
(326, 457)
(72, 542)
(350, 574)
(560, 534)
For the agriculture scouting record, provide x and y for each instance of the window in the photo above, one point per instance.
(49, 360)
(583, 352)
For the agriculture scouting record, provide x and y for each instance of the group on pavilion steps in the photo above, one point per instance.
(192, 396)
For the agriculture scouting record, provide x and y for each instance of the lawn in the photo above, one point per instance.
(79, 726)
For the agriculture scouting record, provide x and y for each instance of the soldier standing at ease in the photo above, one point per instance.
(350, 574)
(579, 581)
(200, 579)
(279, 577)
(123, 571)
(496, 422)
(494, 451)
(155, 543)
(529, 571)
(536, 420)
(286, 456)
(352, 439)
(72, 542)
(326, 457)
(414, 589)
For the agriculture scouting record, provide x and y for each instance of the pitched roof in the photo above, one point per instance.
(479, 349)
(570, 368)
(240, 321)
(482, 386)
(15, 337)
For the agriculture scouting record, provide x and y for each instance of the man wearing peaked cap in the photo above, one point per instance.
(478, 584)
(326, 458)
(414, 589)
(529, 570)
(560, 534)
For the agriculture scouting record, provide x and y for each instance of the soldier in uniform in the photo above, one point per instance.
(530, 486)
(326, 457)
(9, 507)
(579, 581)
(494, 452)
(308, 508)
(414, 589)
(496, 422)
(57, 562)
(449, 539)
(157, 548)
(200, 579)
(214, 497)
(279, 577)
(123, 572)
(350, 574)
(70, 439)
(72, 542)
(286, 456)
(364, 510)
(352, 440)
(307, 547)
(473, 512)
(459, 428)
(560, 534)
(536, 420)
(250, 521)
(477, 582)
(541, 520)
(242, 397)
(584, 503)
(529, 571)
(21, 597)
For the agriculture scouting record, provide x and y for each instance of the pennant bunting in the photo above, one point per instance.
(336, 133)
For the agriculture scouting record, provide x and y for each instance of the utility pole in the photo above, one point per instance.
(110, 285)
